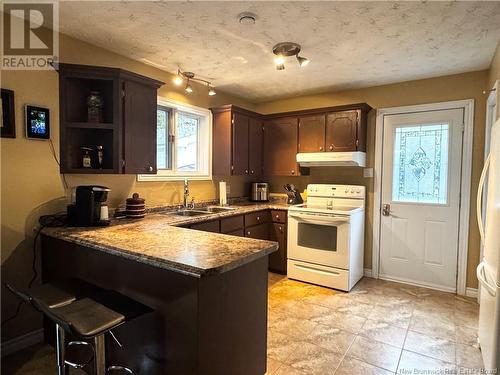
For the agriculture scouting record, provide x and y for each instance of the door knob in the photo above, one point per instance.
(386, 209)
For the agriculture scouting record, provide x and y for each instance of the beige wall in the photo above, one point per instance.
(462, 86)
(494, 75)
(30, 181)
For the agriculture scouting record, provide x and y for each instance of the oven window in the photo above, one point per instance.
(320, 237)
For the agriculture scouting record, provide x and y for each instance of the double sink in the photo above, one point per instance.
(210, 210)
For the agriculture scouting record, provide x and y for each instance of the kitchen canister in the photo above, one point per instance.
(135, 207)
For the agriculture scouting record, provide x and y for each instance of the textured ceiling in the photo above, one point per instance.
(350, 44)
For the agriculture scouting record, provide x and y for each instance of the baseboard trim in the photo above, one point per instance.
(22, 342)
(367, 272)
(471, 292)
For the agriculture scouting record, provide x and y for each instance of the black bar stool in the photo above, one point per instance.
(89, 318)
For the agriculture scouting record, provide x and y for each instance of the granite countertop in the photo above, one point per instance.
(157, 240)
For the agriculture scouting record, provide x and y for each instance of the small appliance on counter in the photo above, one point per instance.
(260, 192)
(135, 207)
(88, 207)
(294, 196)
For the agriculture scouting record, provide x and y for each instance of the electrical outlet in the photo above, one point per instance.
(368, 172)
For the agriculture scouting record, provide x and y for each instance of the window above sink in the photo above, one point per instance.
(184, 141)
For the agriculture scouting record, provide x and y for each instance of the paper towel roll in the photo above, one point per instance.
(222, 193)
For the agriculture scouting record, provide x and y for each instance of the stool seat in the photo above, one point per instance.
(49, 294)
(88, 318)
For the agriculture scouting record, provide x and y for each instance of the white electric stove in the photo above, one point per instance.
(326, 236)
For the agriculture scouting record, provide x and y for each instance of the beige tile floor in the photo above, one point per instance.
(379, 328)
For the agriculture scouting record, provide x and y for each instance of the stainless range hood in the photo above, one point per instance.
(332, 159)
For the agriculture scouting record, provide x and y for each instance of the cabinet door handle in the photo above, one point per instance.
(150, 168)
(246, 171)
(251, 171)
(258, 218)
(293, 171)
(321, 148)
(330, 148)
(281, 228)
(277, 217)
(248, 233)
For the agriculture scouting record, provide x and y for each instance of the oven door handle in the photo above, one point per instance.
(321, 220)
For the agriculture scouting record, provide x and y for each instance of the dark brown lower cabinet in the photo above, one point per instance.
(259, 232)
(277, 260)
(262, 225)
(239, 233)
(207, 226)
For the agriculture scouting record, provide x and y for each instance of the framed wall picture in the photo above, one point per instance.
(37, 122)
(7, 115)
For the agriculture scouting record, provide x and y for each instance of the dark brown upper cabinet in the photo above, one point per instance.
(280, 146)
(312, 133)
(127, 128)
(237, 142)
(240, 144)
(342, 131)
(346, 130)
(255, 146)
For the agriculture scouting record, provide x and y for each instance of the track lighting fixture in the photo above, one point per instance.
(188, 77)
(286, 49)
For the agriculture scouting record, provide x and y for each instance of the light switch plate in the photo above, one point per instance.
(368, 172)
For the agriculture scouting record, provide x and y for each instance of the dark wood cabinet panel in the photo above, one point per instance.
(207, 226)
(280, 146)
(257, 218)
(139, 119)
(237, 142)
(222, 144)
(260, 232)
(255, 146)
(242, 149)
(312, 133)
(238, 233)
(278, 259)
(240, 144)
(342, 131)
(231, 224)
(126, 129)
(278, 216)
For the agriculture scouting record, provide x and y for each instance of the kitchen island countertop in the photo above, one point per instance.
(157, 240)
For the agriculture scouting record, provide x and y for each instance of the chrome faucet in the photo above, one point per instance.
(186, 193)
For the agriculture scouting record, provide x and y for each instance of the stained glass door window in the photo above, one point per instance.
(420, 163)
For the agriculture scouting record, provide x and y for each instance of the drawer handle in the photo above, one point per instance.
(281, 229)
(277, 216)
(248, 233)
(258, 218)
(317, 270)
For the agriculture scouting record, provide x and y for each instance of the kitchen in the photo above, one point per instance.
(298, 112)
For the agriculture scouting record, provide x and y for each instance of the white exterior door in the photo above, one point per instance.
(422, 157)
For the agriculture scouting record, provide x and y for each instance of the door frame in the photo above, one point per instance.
(465, 180)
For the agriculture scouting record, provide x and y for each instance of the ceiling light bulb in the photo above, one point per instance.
(211, 91)
(280, 60)
(178, 80)
(280, 67)
(302, 61)
(189, 89)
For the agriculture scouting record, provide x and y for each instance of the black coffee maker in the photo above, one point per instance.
(86, 212)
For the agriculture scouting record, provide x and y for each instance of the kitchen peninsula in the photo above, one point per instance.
(208, 292)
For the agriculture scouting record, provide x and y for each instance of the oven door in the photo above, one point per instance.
(319, 238)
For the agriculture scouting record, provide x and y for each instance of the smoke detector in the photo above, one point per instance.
(247, 18)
